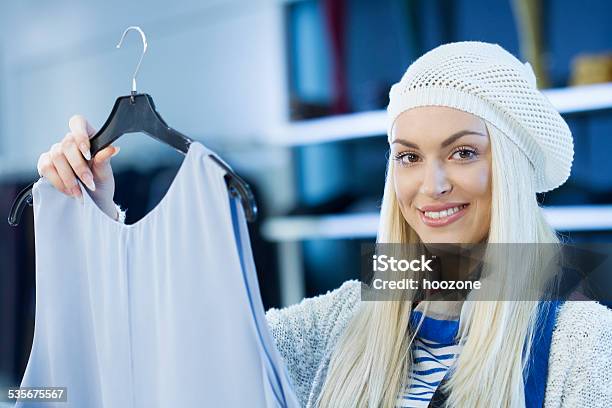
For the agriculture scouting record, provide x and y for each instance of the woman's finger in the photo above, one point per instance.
(78, 163)
(82, 131)
(47, 170)
(64, 170)
(57, 182)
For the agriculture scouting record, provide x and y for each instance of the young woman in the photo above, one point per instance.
(472, 141)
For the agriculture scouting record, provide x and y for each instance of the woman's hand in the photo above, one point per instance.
(70, 158)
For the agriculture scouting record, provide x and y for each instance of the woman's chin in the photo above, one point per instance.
(444, 238)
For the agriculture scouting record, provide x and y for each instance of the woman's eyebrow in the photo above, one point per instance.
(449, 140)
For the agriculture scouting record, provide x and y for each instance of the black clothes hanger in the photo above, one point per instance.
(136, 113)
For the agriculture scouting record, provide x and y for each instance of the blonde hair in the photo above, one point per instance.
(371, 370)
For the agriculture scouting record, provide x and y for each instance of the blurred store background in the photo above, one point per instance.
(292, 95)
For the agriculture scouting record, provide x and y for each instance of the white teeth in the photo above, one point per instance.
(443, 213)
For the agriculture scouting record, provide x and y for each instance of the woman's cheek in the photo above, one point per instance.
(406, 188)
(475, 179)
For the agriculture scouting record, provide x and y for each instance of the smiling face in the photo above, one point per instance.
(442, 174)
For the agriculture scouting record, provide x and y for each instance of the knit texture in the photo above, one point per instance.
(580, 362)
(487, 81)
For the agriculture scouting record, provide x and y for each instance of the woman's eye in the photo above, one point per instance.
(406, 158)
(465, 154)
(461, 154)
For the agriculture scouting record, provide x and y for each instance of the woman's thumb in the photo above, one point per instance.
(104, 155)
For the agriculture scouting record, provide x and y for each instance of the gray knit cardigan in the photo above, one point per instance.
(580, 361)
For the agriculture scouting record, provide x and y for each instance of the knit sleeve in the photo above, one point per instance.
(580, 366)
(302, 331)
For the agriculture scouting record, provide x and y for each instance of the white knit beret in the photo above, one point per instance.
(487, 81)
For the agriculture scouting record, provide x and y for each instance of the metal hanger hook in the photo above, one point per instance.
(144, 43)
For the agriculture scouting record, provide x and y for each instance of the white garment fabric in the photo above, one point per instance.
(165, 312)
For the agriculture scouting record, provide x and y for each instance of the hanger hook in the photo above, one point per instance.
(144, 43)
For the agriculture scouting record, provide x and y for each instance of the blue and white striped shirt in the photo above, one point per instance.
(434, 351)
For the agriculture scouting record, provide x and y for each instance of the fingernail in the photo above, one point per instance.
(88, 179)
(116, 151)
(85, 151)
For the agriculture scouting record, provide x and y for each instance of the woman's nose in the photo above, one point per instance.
(435, 181)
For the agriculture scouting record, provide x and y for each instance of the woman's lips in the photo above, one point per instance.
(441, 222)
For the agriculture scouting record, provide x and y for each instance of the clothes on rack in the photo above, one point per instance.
(162, 312)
